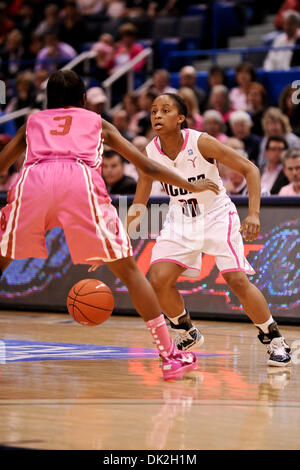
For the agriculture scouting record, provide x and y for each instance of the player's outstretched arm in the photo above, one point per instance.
(212, 148)
(138, 208)
(13, 150)
(154, 170)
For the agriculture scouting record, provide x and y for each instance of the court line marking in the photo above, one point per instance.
(118, 401)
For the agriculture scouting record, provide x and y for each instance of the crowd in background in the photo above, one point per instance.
(38, 37)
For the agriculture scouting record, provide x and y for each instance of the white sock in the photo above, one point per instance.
(264, 326)
(175, 320)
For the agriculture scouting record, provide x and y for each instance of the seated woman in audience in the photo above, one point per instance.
(131, 105)
(244, 75)
(290, 107)
(219, 100)
(241, 125)
(104, 50)
(216, 76)
(126, 49)
(214, 125)
(275, 123)
(194, 118)
(25, 96)
(257, 103)
(237, 145)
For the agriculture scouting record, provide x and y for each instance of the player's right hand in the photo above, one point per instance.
(204, 185)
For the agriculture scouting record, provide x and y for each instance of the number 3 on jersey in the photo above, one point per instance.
(63, 127)
(190, 208)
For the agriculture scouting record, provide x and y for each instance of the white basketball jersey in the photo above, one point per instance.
(191, 165)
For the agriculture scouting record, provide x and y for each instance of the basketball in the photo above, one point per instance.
(90, 302)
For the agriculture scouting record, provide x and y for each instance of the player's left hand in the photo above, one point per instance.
(250, 228)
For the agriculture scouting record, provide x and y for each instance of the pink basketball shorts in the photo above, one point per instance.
(66, 194)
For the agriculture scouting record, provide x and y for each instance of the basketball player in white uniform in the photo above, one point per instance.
(205, 222)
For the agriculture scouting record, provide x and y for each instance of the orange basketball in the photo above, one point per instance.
(90, 302)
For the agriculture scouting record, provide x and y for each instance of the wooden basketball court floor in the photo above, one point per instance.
(66, 386)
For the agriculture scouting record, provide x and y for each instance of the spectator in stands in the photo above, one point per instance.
(167, 7)
(188, 78)
(244, 75)
(286, 5)
(241, 125)
(214, 125)
(39, 80)
(237, 145)
(27, 21)
(289, 105)
(35, 45)
(234, 182)
(216, 76)
(281, 59)
(91, 7)
(161, 82)
(6, 24)
(96, 101)
(24, 98)
(134, 8)
(276, 123)
(127, 49)
(219, 100)
(291, 168)
(113, 173)
(257, 102)
(140, 143)
(14, 56)
(194, 118)
(72, 30)
(51, 19)
(104, 49)
(121, 121)
(55, 54)
(272, 175)
(131, 106)
(146, 98)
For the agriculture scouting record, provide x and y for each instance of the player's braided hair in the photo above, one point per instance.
(65, 88)
(181, 106)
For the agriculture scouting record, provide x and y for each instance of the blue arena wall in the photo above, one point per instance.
(42, 284)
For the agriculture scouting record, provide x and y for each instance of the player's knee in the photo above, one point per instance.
(238, 281)
(158, 280)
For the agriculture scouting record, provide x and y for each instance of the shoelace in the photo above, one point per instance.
(277, 345)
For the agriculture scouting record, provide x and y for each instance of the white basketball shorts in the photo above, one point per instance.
(183, 240)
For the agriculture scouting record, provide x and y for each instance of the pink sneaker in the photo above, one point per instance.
(177, 363)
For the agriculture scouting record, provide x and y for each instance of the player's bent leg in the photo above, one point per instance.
(163, 277)
(175, 363)
(257, 309)
(4, 262)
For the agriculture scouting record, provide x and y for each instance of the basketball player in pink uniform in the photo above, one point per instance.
(205, 222)
(61, 186)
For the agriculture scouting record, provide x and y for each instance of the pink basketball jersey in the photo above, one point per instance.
(64, 133)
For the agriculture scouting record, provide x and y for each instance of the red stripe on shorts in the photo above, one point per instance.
(9, 252)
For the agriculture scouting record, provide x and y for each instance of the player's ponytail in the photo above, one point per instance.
(65, 88)
(182, 108)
